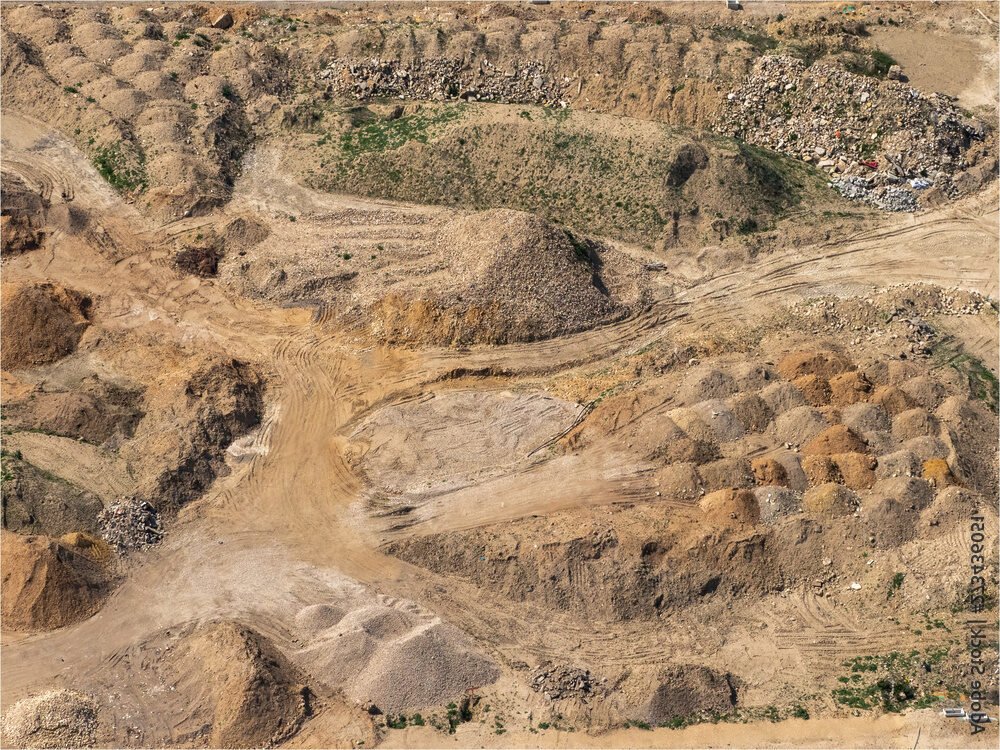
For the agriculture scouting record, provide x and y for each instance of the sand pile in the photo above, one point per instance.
(47, 583)
(243, 689)
(42, 322)
(58, 718)
(512, 276)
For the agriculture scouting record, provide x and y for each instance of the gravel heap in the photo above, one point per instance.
(442, 79)
(839, 120)
(557, 683)
(58, 718)
(130, 524)
(513, 277)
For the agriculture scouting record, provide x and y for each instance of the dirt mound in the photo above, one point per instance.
(42, 322)
(830, 500)
(243, 233)
(56, 719)
(513, 277)
(37, 502)
(22, 216)
(821, 364)
(222, 400)
(849, 388)
(731, 505)
(835, 439)
(49, 583)
(96, 412)
(685, 691)
(244, 690)
(768, 471)
(816, 389)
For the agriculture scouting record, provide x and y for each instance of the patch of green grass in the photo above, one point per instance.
(71, 89)
(983, 384)
(875, 64)
(123, 174)
(386, 134)
(894, 584)
(758, 40)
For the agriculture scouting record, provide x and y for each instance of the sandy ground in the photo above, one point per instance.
(282, 531)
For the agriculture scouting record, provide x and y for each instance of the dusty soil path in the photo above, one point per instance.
(284, 529)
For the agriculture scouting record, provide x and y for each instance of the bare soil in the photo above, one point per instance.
(490, 412)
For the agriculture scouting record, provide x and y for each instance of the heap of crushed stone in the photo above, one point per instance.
(511, 277)
(57, 718)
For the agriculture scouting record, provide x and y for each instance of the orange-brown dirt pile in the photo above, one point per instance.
(48, 583)
(247, 693)
(42, 323)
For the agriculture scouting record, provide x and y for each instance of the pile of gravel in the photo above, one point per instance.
(58, 718)
(443, 79)
(130, 524)
(839, 120)
(512, 277)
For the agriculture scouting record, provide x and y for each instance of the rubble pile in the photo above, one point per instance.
(557, 683)
(444, 79)
(882, 141)
(130, 524)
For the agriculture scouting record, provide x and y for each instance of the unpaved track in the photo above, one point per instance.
(284, 530)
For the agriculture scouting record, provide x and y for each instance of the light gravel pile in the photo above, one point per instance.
(58, 718)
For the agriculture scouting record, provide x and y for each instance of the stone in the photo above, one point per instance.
(224, 21)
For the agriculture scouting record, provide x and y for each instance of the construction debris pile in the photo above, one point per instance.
(556, 683)
(882, 141)
(130, 524)
(444, 79)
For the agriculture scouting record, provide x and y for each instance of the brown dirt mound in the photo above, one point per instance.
(849, 388)
(937, 472)
(820, 470)
(836, 439)
(857, 470)
(513, 277)
(22, 216)
(247, 692)
(37, 502)
(815, 388)
(58, 718)
(688, 690)
(892, 399)
(97, 412)
(829, 500)
(728, 505)
(49, 583)
(914, 423)
(821, 364)
(242, 233)
(769, 472)
(41, 323)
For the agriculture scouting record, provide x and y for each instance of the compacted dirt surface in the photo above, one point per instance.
(499, 375)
